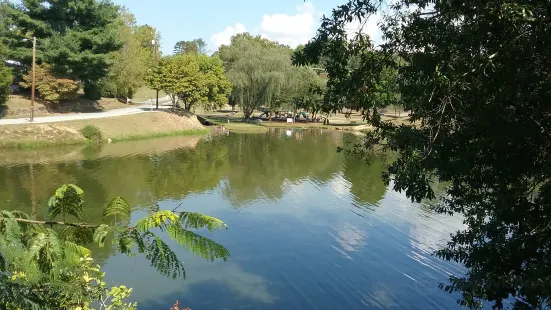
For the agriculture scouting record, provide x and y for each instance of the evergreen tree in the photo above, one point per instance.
(74, 36)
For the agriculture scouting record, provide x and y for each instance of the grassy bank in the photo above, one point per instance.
(121, 128)
(237, 126)
(175, 133)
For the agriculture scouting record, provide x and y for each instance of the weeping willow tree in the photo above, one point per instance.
(258, 69)
(45, 264)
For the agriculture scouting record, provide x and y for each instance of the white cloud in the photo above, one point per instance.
(286, 29)
(291, 29)
(224, 37)
(369, 27)
(297, 29)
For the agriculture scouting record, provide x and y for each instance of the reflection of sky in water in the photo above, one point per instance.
(307, 229)
(311, 249)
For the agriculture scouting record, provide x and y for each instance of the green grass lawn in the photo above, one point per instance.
(237, 126)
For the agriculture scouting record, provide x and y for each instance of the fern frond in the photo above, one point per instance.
(73, 251)
(197, 220)
(158, 219)
(125, 243)
(25, 227)
(68, 199)
(79, 235)
(46, 249)
(199, 245)
(101, 232)
(118, 207)
(162, 257)
(9, 228)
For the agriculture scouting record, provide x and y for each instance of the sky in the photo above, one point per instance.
(290, 22)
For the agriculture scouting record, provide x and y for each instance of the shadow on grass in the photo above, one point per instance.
(3, 111)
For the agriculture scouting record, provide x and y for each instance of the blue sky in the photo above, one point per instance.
(287, 21)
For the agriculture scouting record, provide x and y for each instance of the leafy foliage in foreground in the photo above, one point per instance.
(476, 77)
(45, 264)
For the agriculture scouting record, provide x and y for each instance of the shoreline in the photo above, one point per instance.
(84, 142)
(116, 129)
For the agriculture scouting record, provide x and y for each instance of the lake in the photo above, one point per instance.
(309, 228)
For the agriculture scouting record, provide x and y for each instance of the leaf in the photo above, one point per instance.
(118, 207)
(11, 229)
(101, 232)
(162, 257)
(46, 249)
(80, 235)
(199, 245)
(68, 199)
(157, 220)
(74, 252)
(197, 220)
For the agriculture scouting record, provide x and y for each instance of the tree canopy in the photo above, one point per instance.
(131, 63)
(476, 77)
(261, 73)
(5, 74)
(192, 79)
(197, 46)
(75, 37)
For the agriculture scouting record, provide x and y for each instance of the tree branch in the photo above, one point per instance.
(51, 223)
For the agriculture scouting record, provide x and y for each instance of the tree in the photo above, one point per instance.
(132, 61)
(476, 78)
(256, 68)
(46, 263)
(6, 79)
(50, 87)
(197, 46)
(74, 36)
(192, 79)
(219, 87)
(309, 91)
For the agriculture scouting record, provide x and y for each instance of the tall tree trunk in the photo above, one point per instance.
(247, 113)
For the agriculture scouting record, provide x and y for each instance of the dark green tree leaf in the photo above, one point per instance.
(101, 232)
(67, 200)
(199, 245)
(118, 208)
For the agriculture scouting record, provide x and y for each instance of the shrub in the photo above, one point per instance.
(109, 90)
(93, 90)
(50, 87)
(92, 133)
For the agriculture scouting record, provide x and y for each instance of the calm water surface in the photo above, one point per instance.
(308, 228)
